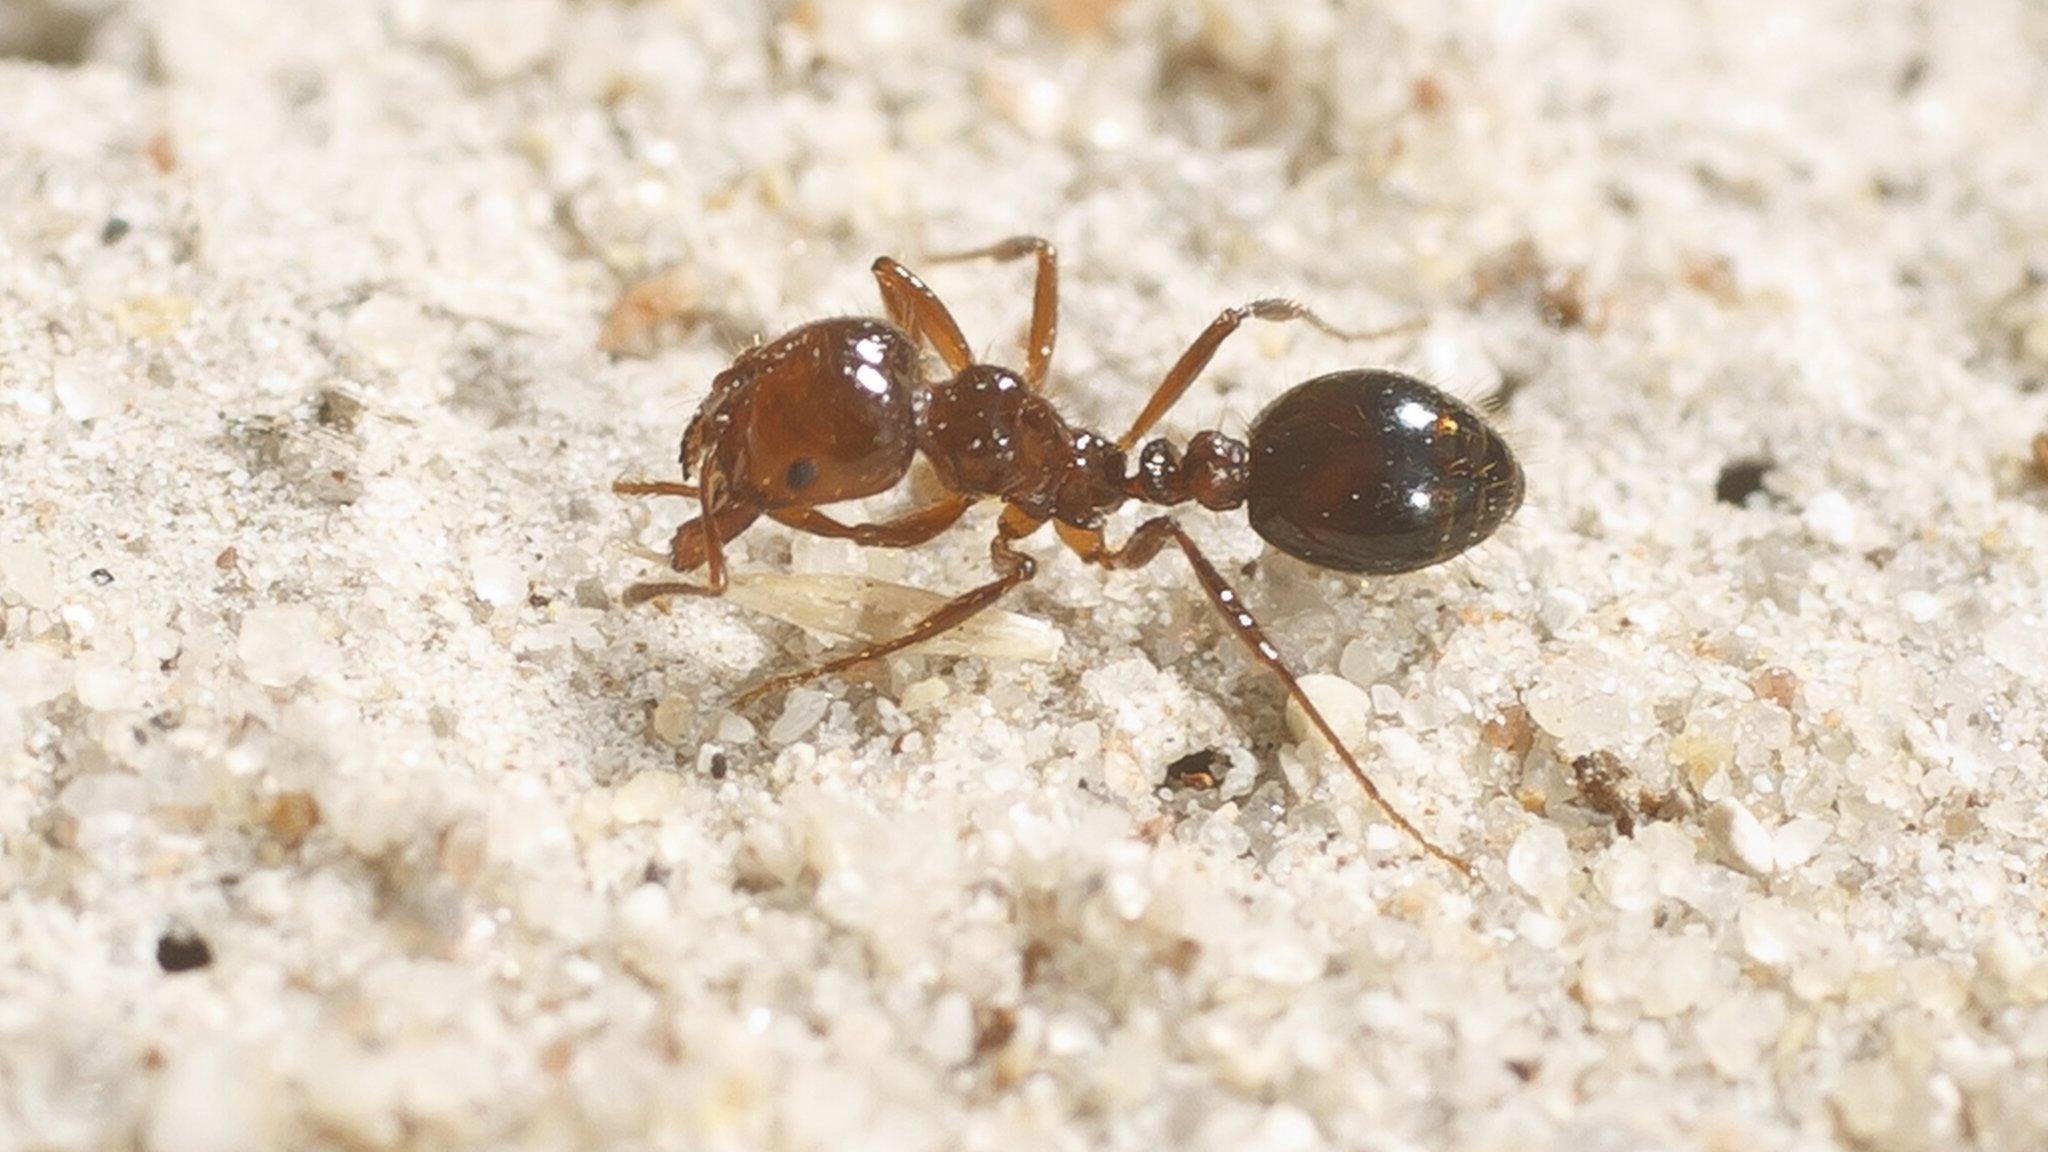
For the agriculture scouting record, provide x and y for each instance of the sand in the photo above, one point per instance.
(344, 806)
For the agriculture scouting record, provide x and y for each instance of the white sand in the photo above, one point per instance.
(349, 699)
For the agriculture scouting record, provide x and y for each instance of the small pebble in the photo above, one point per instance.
(182, 951)
(1769, 931)
(925, 693)
(1345, 705)
(1733, 1032)
(1798, 840)
(1560, 608)
(1588, 700)
(1739, 839)
(26, 573)
(1831, 519)
(291, 817)
(1628, 877)
(647, 797)
(1676, 973)
(645, 910)
(89, 391)
(390, 331)
(801, 714)
(497, 580)
(1867, 1099)
(280, 644)
(1919, 607)
(103, 685)
(2015, 641)
(1778, 685)
(670, 721)
(734, 728)
(1370, 661)
(1540, 864)
(950, 1035)
(210, 1100)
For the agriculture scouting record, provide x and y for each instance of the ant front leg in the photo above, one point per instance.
(654, 488)
(700, 542)
(1014, 568)
(1197, 357)
(906, 531)
(1145, 544)
(1045, 295)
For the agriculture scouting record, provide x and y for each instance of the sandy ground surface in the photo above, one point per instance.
(343, 807)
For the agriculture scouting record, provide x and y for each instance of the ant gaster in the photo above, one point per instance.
(1363, 471)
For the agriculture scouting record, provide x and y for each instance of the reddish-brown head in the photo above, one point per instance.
(825, 413)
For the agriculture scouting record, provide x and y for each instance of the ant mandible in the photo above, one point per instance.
(1366, 471)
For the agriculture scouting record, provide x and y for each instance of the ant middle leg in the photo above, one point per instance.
(915, 308)
(1197, 357)
(1013, 568)
(1145, 544)
(1045, 295)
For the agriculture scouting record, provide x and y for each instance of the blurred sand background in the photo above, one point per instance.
(342, 807)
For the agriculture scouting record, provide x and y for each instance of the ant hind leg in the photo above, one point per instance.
(1014, 568)
(1146, 543)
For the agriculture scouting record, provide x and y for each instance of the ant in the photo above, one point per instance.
(1365, 471)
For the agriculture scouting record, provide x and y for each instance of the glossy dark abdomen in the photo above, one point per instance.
(1376, 472)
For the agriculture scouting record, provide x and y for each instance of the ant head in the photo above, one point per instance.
(1377, 472)
(822, 414)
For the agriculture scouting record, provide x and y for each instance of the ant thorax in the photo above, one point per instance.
(988, 434)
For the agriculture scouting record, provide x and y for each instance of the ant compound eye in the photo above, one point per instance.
(800, 475)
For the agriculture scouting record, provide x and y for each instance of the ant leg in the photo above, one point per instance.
(1045, 295)
(687, 550)
(653, 488)
(699, 542)
(1198, 355)
(916, 309)
(908, 530)
(1146, 543)
(1014, 568)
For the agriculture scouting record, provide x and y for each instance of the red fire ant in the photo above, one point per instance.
(1361, 471)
